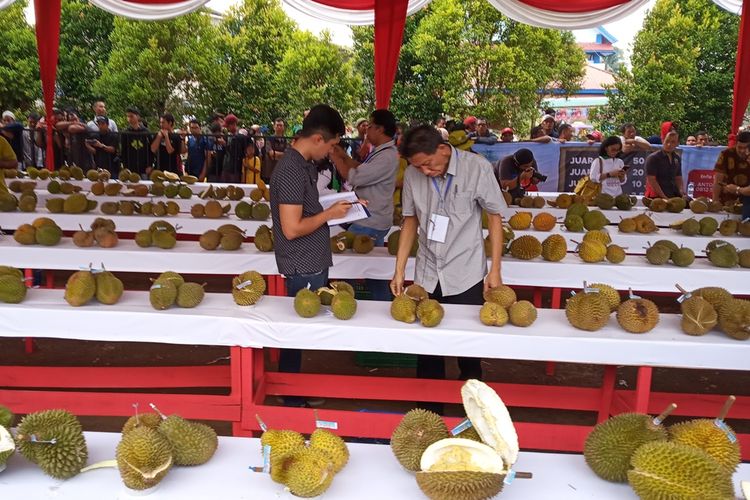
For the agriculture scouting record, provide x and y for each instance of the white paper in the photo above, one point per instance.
(438, 228)
(356, 212)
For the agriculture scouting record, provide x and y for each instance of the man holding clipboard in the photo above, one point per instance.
(300, 225)
(443, 196)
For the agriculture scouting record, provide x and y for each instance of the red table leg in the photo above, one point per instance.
(549, 370)
(643, 389)
(608, 391)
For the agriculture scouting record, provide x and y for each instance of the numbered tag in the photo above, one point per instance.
(462, 426)
(437, 229)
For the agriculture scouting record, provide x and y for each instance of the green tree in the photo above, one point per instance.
(315, 70)
(19, 63)
(84, 50)
(255, 37)
(160, 66)
(683, 69)
(464, 56)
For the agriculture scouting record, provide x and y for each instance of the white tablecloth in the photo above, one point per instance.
(273, 323)
(371, 474)
(189, 257)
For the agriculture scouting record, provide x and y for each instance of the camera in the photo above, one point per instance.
(539, 176)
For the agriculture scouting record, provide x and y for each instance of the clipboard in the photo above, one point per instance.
(356, 212)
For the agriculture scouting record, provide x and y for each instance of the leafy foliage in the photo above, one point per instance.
(683, 70)
(19, 63)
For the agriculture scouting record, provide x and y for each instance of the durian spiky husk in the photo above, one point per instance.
(698, 316)
(461, 485)
(588, 311)
(331, 444)
(62, 459)
(610, 446)
(144, 456)
(734, 318)
(414, 434)
(404, 309)
(282, 443)
(309, 472)
(664, 470)
(151, 420)
(253, 286)
(638, 315)
(703, 433)
(192, 443)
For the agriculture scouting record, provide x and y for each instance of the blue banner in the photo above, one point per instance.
(548, 157)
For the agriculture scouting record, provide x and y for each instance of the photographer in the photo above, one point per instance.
(517, 173)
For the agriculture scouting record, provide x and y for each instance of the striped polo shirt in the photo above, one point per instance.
(293, 182)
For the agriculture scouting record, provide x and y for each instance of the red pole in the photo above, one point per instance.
(48, 43)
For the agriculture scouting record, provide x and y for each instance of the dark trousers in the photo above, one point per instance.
(290, 360)
(434, 366)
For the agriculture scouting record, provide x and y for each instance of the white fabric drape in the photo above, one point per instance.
(346, 16)
(565, 20)
(733, 6)
(6, 3)
(149, 12)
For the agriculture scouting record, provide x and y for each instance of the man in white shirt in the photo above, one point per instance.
(100, 109)
(632, 142)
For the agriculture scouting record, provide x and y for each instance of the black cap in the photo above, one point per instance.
(523, 156)
(133, 110)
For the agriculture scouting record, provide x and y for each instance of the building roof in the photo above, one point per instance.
(602, 48)
(606, 34)
(596, 78)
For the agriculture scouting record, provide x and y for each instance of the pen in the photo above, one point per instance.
(353, 202)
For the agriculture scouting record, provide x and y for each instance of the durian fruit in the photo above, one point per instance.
(615, 254)
(599, 235)
(326, 293)
(307, 303)
(7, 446)
(12, 287)
(627, 225)
(309, 472)
(264, 239)
(343, 305)
(734, 319)
(673, 470)
(363, 244)
(563, 201)
(715, 296)
(573, 223)
(210, 240)
(192, 443)
(658, 205)
(404, 308)
(577, 209)
(332, 445)
(231, 240)
(162, 294)
(594, 220)
(525, 247)
(522, 313)
(625, 202)
(80, 288)
(109, 288)
(645, 224)
(470, 433)
(429, 312)
(658, 254)
(25, 234)
(554, 248)
(592, 251)
(150, 420)
(491, 419)
(712, 436)
(503, 295)
(6, 417)
(460, 469)
(682, 257)
(282, 442)
(144, 456)
(676, 205)
(743, 257)
(729, 227)
(609, 293)
(248, 288)
(588, 310)
(393, 240)
(698, 315)
(190, 294)
(637, 315)
(708, 226)
(175, 278)
(544, 221)
(520, 221)
(53, 440)
(493, 314)
(604, 201)
(414, 434)
(416, 292)
(610, 446)
(689, 227)
(723, 255)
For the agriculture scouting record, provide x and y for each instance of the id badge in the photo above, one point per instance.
(438, 228)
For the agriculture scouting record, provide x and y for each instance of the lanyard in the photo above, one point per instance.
(442, 196)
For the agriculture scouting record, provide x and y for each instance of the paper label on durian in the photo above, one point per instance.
(266, 459)
(509, 477)
(326, 424)
(155, 286)
(244, 284)
(682, 298)
(724, 427)
(462, 426)
(590, 290)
